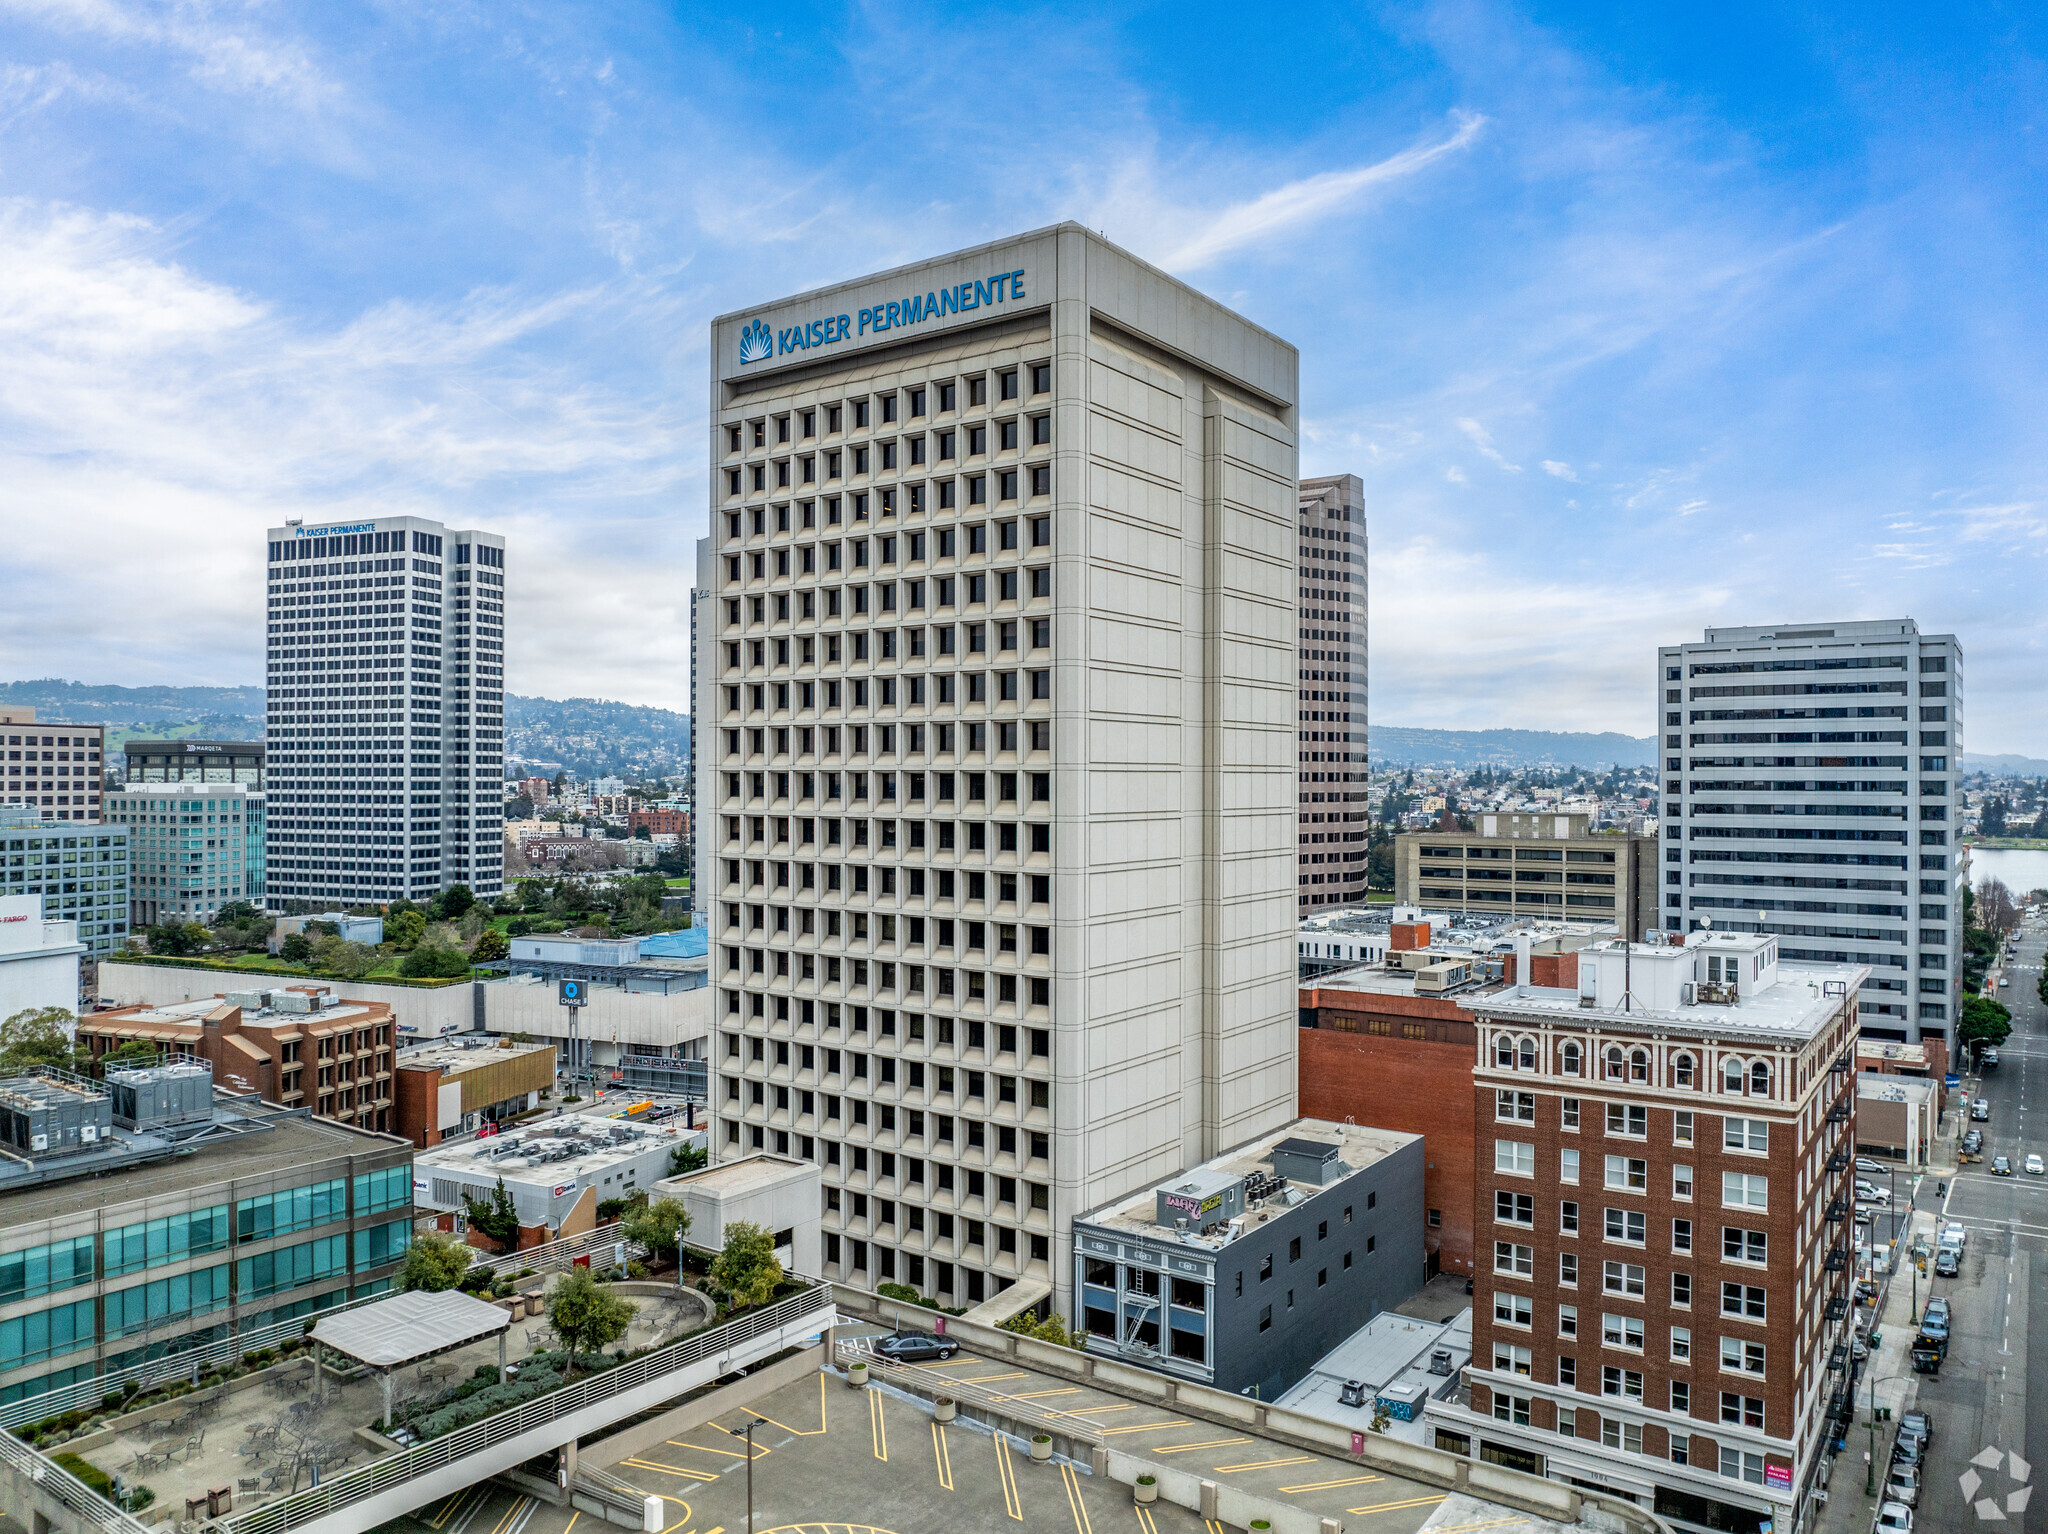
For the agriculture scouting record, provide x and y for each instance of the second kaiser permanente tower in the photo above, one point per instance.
(997, 773)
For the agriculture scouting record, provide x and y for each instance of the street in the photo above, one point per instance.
(1998, 1360)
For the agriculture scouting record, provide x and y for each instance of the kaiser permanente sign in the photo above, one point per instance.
(758, 344)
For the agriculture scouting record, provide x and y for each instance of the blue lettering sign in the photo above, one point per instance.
(961, 298)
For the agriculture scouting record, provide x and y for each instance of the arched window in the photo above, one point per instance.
(1504, 1052)
(1639, 1065)
(1528, 1052)
(1681, 1071)
(1571, 1057)
(1615, 1067)
(1760, 1080)
(1731, 1077)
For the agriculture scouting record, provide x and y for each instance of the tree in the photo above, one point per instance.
(338, 956)
(36, 1036)
(642, 833)
(659, 1226)
(1984, 1021)
(1052, 1328)
(495, 1217)
(747, 1269)
(490, 946)
(433, 960)
(687, 1158)
(1997, 911)
(1992, 821)
(405, 929)
(236, 913)
(434, 1262)
(586, 1314)
(177, 938)
(296, 948)
(456, 899)
(136, 1054)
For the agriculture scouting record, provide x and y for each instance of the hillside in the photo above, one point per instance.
(1394, 745)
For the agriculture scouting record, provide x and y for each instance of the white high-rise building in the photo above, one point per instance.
(1810, 779)
(385, 731)
(997, 779)
(1335, 822)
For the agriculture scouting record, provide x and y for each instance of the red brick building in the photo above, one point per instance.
(660, 822)
(1662, 1165)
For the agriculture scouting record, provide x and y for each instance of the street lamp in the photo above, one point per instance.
(747, 1433)
(1870, 1477)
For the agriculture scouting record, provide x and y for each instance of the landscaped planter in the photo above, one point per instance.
(1147, 1488)
(857, 1375)
(1041, 1447)
(945, 1410)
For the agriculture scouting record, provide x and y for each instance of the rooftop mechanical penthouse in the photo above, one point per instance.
(997, 767)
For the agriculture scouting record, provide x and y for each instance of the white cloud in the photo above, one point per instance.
(1560, 470)
(1456, 475)
(1483, 440)
(1291, 208)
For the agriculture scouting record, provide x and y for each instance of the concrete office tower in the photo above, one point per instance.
(54, 766)
(192, 848)
(1332, 677)
(1810, 774)
(998, 789)
(385, 734)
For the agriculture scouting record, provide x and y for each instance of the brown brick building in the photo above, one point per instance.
(296, 1045)
(446, 1089)
(660, 822)
(1662, 1166)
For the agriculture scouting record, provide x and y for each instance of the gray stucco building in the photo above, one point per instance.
(1240, 1273)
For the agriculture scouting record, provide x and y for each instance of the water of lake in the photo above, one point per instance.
(2021, 871)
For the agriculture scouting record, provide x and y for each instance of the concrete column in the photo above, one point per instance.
(387, 1400)
(1208, 1499)
(501, 1354)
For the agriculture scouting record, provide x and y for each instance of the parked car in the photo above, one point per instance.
(2000, 1167)
(1903, 1485)
(1988, 1060)
(1980, 1111)
(1937, 1310)
(1865, 1164)
(2035, 1167)
(1919, 1425)
(1893, 1518)
(1870, 1193)
(1948, 1262)
(1953, 1234)
(1973, 1142)
(904, 1347)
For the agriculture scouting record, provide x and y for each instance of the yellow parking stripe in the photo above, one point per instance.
(940, 1454)
(1098, 1411)
(878, 1430)
(1356, 1480)
(761, 1450)
(510, 1515)
(1040, 1395)
(1080, 1511)
(1145, 1519)
(1012, 1504)
(984, 1379)
(1388, 1507)
(1268, 1464)
(1455, 1528)
(805, 1432)
(1144, 1427)
(702, 1477)
(1187, 1448)
(671, 1529)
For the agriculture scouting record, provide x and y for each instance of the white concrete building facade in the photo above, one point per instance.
(997, 780)
(1810, 775)
(38, 958)
(384, 735)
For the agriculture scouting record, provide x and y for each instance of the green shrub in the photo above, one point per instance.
(95, 1479)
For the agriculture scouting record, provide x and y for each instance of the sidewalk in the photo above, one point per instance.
(1890, 1366)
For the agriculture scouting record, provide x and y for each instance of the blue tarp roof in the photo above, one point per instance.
(690, 943)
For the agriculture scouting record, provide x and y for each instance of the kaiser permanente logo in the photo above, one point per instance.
(758, 343)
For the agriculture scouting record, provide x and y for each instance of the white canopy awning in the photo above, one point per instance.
(410, 1326)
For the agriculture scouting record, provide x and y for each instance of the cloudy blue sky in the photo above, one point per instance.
(1631, 324)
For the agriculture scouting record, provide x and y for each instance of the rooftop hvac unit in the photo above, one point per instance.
(162, 1096)
(43, 1116)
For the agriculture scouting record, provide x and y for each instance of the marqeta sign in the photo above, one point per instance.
(758, 343)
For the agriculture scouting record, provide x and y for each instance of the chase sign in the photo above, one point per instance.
(758, 343)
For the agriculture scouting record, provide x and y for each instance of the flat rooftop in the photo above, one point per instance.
(453, 1059)
(1358, 1147)
(1390, 1349)
(742, 1176)
(289, 1137)
(1796, 1007)
(174, 1015)
(1373, 980)
(596, 1143)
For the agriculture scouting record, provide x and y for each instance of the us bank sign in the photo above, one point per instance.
(758, 343)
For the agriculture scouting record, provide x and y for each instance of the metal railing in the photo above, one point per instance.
(929, 1382)
(25, 1466)
(408, 1464)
